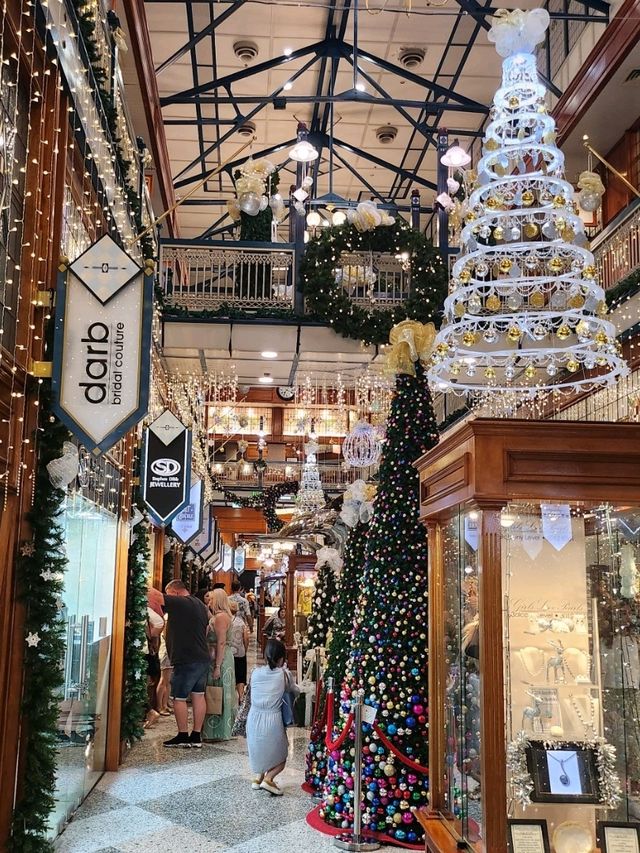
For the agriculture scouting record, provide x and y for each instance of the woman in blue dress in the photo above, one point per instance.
(266, 735)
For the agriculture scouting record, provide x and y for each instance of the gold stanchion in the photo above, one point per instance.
(193, 189)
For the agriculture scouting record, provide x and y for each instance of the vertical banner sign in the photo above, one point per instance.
(166, 467)
(203, 539)
(209, 550)
(188, 522)
(102, 345)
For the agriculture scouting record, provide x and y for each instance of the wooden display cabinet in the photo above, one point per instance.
(531, 526)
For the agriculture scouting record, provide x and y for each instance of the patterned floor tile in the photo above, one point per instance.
(109, 829)
(178, 838)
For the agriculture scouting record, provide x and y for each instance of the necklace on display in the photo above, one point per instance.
(589, 725)
(564, 777)
(527, 655)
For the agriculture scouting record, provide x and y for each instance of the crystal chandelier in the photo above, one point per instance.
(310, 497)
(525, 313)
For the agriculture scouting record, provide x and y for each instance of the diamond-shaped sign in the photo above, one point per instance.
(105, 268)
(166, 427)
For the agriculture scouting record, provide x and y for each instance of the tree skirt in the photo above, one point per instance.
(316, 822)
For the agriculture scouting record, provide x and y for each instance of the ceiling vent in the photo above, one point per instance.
(411, 57)
(632, 76)
(247, 129)
(246, 51)
(386, 134)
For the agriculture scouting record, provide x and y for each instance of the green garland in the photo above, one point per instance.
(87, 26)
(265, 500)
(229, 312)
(41, 568)
(625, 289)
(134, 698)
(327, 298)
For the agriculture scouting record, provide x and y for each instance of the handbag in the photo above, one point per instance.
(288, 718)
(213, 696)
(240, 724)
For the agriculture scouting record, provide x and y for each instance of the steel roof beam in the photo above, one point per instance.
(197, 37)
(410, 176)
(351, 96)
(318, 48)
(231, 166)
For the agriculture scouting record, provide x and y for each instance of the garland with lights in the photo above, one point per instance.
(265, 500)
(388, 657)
(134, 696)
(326, 298)
(87, 26)
(623, 290)
(40, 567)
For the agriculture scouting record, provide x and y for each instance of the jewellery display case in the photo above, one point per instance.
(534, 635)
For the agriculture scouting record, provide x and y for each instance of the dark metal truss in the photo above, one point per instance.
(326, 56)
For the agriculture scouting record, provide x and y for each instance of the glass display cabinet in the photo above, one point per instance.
(534, 637)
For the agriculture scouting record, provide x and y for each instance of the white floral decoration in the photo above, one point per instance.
(329, 557)
(367, 217)
(518, 31)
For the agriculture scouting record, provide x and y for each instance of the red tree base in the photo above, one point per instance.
(315, 822)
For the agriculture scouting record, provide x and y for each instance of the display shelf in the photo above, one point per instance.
(534, 631)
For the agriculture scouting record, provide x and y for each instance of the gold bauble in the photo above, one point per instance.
(470, 216)
(583, 330)
(559, 201)
(601, 308)
(459, 309)
(454, 370)
(465, 276)
(498, 233)
(468, 339)
(601, 338)
(514, 333)
(572, 365)
(505, 264)
(490, 373)
(527, 198)
(491, 144)
(549, 138)
(529, 371)
(530, 230)
(442, 348)
(560, 223)
(576, 301)
(514, 101)
(491, 202)
(536, 300)
(556, 264)
(589, 272)
(568, 234)
(564, 332)
(493, 303)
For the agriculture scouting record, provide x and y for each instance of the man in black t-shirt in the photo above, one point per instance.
(187, 648)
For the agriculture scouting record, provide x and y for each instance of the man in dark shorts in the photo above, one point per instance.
(188, 652)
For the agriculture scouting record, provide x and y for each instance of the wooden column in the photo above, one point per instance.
(158, 556)
(290, 606)
(492, 731)
(437, 669)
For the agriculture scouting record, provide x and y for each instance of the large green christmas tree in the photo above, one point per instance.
(389, 645)
(338, 648)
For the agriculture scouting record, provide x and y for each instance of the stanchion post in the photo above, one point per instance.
(355, 840)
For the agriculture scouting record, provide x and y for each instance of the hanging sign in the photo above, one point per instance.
(203, 539)
(188, 522)
(556, 524)
(102, 345)
(166, 467)
(209, 550)
(238, 560)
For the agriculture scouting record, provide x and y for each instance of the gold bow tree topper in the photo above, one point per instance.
(409, 342)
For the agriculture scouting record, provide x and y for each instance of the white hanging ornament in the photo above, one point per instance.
(64, 469)
(362, 446)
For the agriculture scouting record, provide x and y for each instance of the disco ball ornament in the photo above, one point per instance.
(362, 446)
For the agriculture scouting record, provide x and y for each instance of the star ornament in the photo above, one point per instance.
(32, 639)
(28, 549)
(48, 575)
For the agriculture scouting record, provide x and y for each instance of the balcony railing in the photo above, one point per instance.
(242, 475)
(208, 275)
(617, 248)
(373, 279)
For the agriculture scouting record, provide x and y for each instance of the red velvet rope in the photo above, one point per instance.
(394, 749)
(337, 743)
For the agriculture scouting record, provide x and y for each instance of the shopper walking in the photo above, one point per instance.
(239, 643)
(274, 628)
(266, 734)
(243, 605)
(221, 674)
(186, 641)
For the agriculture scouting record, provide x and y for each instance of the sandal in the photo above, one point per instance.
(272, 787)
(257, 781)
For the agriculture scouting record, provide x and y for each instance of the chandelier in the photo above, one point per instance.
(310, 497)
(525, 313)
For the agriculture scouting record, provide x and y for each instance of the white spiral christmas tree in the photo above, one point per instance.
(310, 496)
(525, 312)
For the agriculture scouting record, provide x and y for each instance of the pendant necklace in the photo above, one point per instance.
(564, 777)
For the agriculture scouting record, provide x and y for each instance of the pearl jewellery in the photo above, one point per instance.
(590, 724)
(526, 656)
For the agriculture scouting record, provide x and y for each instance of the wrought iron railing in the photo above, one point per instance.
(242, 474)
(206, 276)
(617, 248)
(372, 279)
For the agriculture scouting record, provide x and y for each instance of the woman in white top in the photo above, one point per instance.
(266, 735)
(239, 644)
